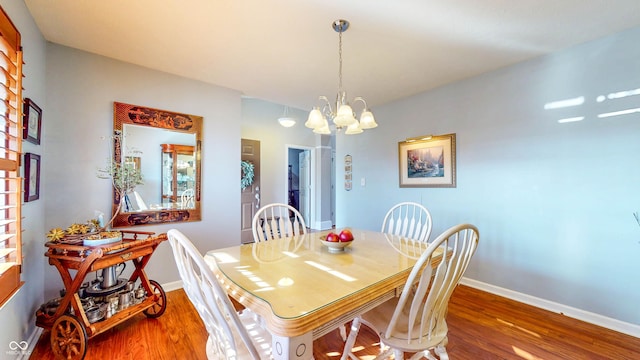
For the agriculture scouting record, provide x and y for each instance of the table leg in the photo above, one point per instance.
(287, 348)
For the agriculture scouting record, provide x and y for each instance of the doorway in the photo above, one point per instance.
(300, 177)
(250, 195)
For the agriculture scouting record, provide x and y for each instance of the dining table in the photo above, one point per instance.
(302, 289)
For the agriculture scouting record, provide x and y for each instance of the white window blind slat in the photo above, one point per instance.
(5, 237)
(4, 253)
(6, 266)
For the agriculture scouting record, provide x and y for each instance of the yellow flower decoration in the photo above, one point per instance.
(95, 223)
(83, 228)
(74, 229)
(56, 234)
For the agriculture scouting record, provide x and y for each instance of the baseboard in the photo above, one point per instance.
(174, 285)
(322, 225)
(31, 344)
(592, 318)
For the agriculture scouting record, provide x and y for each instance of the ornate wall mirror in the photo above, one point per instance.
(166, 148)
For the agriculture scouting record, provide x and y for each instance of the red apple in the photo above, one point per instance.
(345, 235)
(332, 237)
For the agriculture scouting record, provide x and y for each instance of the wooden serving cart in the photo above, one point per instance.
(70, 327)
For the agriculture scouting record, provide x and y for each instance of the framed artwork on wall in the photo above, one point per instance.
(428, 161)
(31, 177)
(32, 122)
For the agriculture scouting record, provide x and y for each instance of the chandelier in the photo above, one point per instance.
(342, 114)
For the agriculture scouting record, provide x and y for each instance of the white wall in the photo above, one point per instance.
(553, 202)
(16, 316)
(81, 89)
(259, 122)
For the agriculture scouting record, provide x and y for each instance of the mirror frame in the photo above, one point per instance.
(130, 114)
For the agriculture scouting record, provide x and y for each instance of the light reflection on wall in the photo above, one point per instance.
(600, 99)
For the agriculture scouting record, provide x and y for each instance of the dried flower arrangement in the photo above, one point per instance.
(92, 229)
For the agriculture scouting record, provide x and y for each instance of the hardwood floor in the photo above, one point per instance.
(481, 326)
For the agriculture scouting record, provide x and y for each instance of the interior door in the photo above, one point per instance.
(250, 196)
(304, 160)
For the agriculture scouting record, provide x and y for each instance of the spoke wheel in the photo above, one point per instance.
(161, 303)
(68, 338)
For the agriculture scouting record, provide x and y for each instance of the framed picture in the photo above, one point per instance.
(32, 122)
(428, 162)
(31, 177)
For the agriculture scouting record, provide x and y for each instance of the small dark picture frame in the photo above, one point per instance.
(32, 122)
(31, 177)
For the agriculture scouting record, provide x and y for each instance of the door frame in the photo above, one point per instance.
(312, 192)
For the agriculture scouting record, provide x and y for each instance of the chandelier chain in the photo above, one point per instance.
(340, 60)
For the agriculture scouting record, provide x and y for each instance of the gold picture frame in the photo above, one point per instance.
(427, 161)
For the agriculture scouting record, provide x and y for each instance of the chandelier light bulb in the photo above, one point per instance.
(315, 119)
(367, 120)
(354, 129)
(324, 129)
(344, 117)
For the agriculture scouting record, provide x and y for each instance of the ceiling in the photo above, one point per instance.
(286, 51)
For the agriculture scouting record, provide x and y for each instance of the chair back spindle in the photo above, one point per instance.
(276, 221)
(408, 219)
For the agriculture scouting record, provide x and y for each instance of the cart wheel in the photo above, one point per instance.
(160, 305)
(68, 338)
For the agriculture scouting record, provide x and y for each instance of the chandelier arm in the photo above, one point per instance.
(359, 98)
(326, 108)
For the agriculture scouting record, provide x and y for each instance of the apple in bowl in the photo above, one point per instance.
(337, 242)
(345, 235)
(332, 237)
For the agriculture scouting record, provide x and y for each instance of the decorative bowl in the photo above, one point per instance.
(103, 238)
(335, 246)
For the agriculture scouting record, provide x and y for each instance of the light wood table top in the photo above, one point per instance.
(298, 286)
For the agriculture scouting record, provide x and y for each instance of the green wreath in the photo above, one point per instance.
(247, 174)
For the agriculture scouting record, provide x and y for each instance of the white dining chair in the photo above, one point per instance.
(408, 219)
(187, 199)
(276, 221)
(232, 335)
(415, 321)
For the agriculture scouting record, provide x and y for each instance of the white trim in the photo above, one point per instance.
(32, 341)
(586, 316)
(174, 285)
(322, 225)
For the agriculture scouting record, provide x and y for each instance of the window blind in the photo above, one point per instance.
(10, 152)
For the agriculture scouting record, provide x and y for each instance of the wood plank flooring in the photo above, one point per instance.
(481, 326)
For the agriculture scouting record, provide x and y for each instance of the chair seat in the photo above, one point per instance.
(379, 318)
(260, 338)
